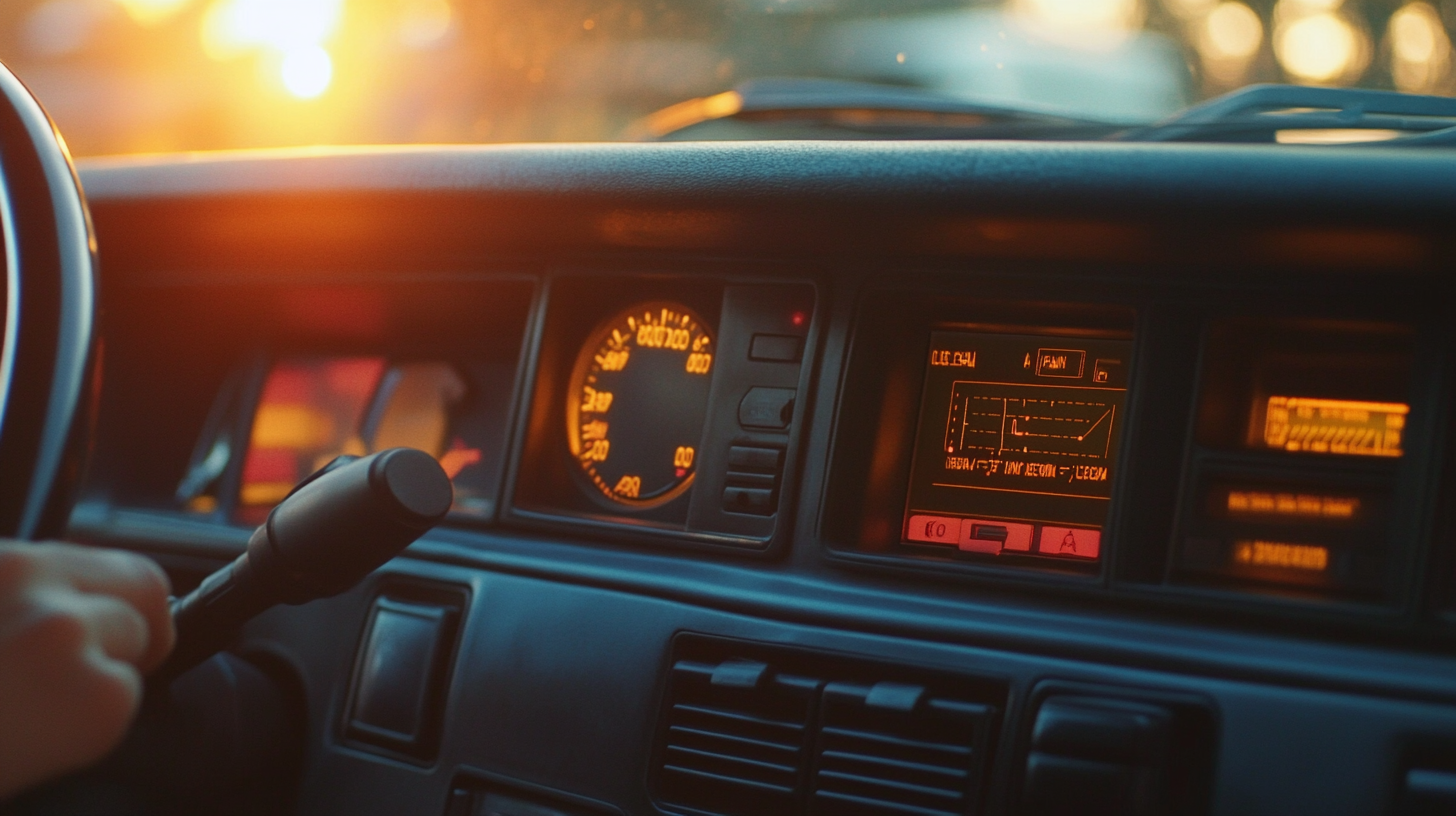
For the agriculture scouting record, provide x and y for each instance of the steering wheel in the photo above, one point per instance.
(48, 350)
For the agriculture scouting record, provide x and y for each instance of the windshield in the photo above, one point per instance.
(127, 76)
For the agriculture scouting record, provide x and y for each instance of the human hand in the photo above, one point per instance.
(79, 627)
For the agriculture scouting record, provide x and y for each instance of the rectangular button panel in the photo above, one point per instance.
(776, 348)
(755, 500)
(752, 481)
(745, 457)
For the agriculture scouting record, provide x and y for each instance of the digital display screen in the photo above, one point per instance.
(1338, 426)
(1017, 444)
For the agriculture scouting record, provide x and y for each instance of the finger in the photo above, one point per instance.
(132, 578)
(112, 627)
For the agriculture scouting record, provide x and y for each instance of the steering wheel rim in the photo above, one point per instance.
(48, 337)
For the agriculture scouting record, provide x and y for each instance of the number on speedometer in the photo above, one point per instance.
(637, 401)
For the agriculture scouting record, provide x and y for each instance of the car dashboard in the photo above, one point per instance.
(948, 478)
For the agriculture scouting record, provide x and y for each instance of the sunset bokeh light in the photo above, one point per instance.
(127, 76)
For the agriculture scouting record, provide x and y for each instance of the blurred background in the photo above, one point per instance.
(128, 76)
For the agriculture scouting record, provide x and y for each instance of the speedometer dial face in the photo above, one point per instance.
(637, 401)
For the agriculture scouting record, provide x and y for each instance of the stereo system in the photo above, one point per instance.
(1222, 457)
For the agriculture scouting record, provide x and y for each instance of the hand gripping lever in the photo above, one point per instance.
(337, 526)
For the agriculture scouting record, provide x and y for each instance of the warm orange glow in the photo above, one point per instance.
(425, 23)
(1420, 49)
(1042, 238)
(685, 114)
(668, 228)
(313, 410)
(606, 376)
(1307, 557)
(1315, 41)
(309, 412)
(1342, 247)
(458, 458)
(1257, 502)
(1228, 38)
(290, 33)
(292, 426)
(1087, 24)
(152, 12)
(307, 71)
(1335, 135)
(1335, 426)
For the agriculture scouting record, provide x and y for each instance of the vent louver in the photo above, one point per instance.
(737, 736)
(891, 748)
(759, 729)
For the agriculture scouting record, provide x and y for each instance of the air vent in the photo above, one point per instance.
(759, 729)
(892, 748)
(737, 735)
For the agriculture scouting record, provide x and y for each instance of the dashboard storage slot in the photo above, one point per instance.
(752, 728)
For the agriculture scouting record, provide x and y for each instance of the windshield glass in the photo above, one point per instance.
(126, 76)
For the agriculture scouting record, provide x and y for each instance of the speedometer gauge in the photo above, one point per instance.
(637, 401)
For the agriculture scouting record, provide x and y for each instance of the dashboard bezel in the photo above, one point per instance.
(1170, 307)
(553, 349)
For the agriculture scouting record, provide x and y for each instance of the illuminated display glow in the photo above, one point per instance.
(1305, 557)
(1017, 444)
(308, 414)
(1303, 505)
(1335, 426)
(637, 403)
(312, 410)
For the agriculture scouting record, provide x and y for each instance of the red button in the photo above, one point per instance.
(987, 536)
(933, 529)
(1070, 542)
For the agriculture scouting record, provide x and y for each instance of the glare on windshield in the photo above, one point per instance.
(127, 76)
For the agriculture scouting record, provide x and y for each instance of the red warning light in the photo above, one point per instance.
(798, 318)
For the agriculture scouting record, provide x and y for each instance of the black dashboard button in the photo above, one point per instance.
(755, 500)
(744, 457)
(769, 408)
(398, 670)
(1070, 785)
(776, 348)
(768, 480)
(1111, 730)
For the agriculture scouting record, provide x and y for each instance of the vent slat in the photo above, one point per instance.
(682, 731)
(901, 742)
(729, 759)
(810, 733)
(735, 716)
(887, 762)
(892, 784)
(848, 804)
(729, 780)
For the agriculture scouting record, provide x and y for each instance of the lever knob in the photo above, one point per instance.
(337, 526)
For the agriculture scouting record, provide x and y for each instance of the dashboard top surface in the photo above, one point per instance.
(1383, 182)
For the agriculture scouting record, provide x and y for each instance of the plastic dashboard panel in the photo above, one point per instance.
(566, 641)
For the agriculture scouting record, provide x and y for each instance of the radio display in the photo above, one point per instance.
(1017, 444)
(1340, 426)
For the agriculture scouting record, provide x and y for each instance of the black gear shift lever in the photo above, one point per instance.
(337, 526)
